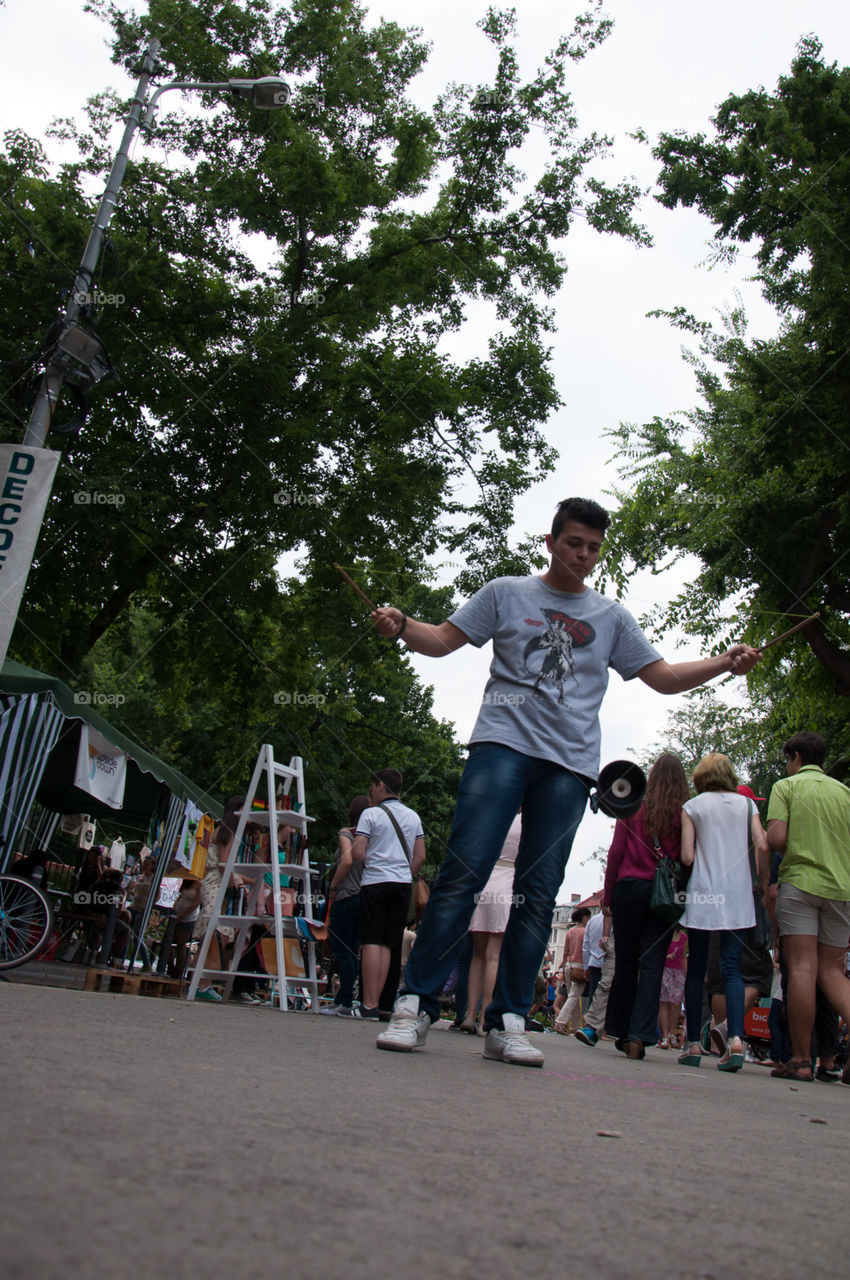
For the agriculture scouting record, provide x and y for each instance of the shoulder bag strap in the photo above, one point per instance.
(398, 832)
(751, 852)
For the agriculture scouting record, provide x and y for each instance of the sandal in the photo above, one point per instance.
(733, 1059)
(692, 1056)
(791, 1071)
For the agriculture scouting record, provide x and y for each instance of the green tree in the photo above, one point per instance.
(348, 704)
(704, 723)
(754, 482)
(287, 289)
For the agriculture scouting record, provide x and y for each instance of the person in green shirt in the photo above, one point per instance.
(808, 821)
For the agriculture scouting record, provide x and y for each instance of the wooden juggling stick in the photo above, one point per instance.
(785, 634)
(354, 585)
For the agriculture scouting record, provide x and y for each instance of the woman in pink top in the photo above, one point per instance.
(642, 940)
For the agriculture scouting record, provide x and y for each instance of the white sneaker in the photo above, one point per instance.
(245, 997)
(511, 1044)
(407, 1028)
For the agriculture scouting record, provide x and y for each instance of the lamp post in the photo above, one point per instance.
(77, 355)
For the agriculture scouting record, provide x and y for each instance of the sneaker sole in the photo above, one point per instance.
(512, 1062)
(397, 1048)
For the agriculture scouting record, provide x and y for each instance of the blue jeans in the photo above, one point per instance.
(495, 782)
(731, 945)
(344, 929)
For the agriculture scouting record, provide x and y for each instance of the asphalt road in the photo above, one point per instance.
(151, 1138)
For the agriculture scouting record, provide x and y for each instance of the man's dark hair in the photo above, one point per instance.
(810, 747)
(391, 779)
(580, 913)
(584, 510)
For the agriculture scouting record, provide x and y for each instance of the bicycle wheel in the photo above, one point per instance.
(26, 921)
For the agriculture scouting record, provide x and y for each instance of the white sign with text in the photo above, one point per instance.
(26, 478)
(101, 768)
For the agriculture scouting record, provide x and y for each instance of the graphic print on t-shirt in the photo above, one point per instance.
(561, 635)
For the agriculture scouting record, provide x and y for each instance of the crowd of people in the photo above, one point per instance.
(681, 970)
(752, 927)
(637, 978)
(535, 749)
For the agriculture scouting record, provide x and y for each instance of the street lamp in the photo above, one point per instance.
(269, 93)
(76, 355)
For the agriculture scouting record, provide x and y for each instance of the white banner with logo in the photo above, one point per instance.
(26, 478)
(101, 768)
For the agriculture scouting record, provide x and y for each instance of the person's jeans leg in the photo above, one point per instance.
(552, 809)
(491, 790)
(731, 946)
(593, 976)
(698, 940)
(344, 928)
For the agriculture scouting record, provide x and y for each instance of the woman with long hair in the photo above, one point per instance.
(718, 826)
(642, 939)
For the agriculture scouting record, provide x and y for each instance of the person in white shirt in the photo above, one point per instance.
(593, 952)
(389, 841)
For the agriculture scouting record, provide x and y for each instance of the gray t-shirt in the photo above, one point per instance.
(551, 654)
(349, 885)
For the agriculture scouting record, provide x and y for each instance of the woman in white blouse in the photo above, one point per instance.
(717, 827)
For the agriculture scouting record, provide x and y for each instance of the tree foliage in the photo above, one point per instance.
(331, 692)
(291, 286)
(294, 303)
(755, 482)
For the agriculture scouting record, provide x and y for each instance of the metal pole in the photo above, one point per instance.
(52, 377)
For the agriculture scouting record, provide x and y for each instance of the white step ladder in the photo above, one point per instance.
(285, 927)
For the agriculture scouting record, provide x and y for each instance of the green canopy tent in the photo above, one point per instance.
(41, 721)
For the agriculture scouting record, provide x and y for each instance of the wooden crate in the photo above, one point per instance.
(122, 982)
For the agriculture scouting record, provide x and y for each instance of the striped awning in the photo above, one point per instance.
(164, 840)
(29, 729)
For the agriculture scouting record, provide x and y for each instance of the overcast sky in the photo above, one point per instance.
(666, 66)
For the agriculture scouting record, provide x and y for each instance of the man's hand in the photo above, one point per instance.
(433, 640)
(388, 621)
(744, 658)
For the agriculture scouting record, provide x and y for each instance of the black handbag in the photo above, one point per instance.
(668, 898)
